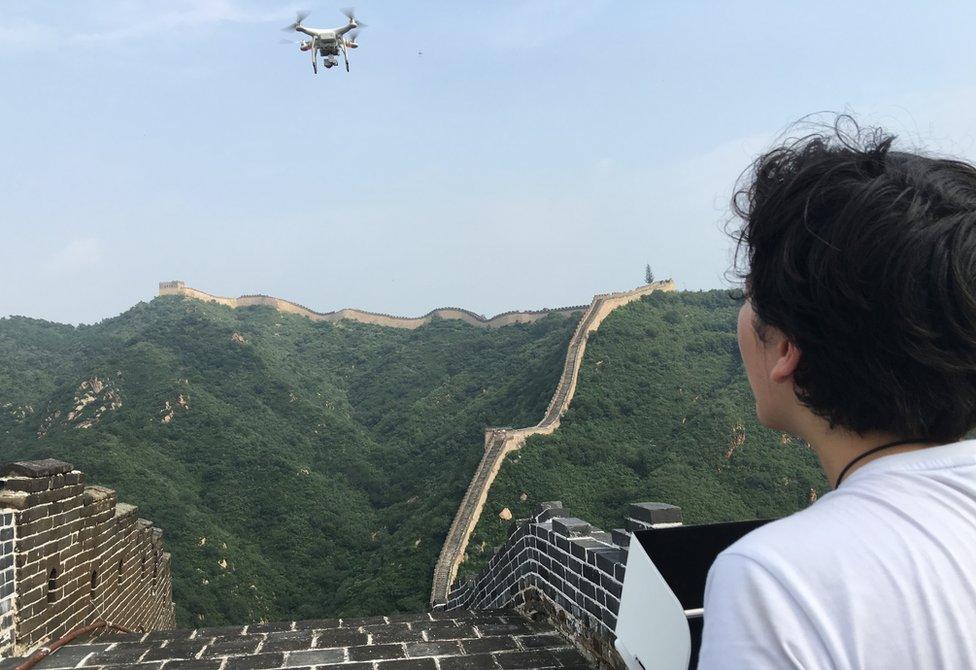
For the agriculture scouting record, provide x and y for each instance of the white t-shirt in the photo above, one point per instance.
(880, 573)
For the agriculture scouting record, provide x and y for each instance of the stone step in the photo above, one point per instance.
(425, 641)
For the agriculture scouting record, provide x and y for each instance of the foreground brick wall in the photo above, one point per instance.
(7, 583)
(78, 556)
(560, 564)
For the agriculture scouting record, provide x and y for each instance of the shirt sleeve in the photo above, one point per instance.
(752, 621)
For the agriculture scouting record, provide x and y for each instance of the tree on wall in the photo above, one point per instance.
(648, 274)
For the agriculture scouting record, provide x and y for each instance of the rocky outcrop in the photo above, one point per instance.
(500, 441)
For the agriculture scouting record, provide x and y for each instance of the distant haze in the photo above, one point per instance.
(537, 152)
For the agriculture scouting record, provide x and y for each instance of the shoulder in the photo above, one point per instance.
(743, 580)
(761, 594)
(791, 559)
(798, 535)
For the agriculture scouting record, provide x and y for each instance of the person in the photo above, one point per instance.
(858, 335)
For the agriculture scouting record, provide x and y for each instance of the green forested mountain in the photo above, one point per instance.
(299, 469)
(303, 469)
(662, 412)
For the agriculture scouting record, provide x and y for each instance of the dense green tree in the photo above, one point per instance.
(298, 468)
(308, 469)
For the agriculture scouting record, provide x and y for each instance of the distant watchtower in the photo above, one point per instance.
(171, 287)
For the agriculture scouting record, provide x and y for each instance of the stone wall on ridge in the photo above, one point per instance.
(362, 316)
(500, 441)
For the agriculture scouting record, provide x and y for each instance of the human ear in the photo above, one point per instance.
(788, 358)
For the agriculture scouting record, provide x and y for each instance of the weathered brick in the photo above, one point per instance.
(240, 644)
(315, 657)
(30, 512)
(376, 652)
(46, 467)
(36, 540)
(27, 484)
(194, 664)
(288, 641)
(408, 664)
(255, 662)
(527, 659)
(74, 477)
(340, 637)
(118, 656)
(52, 495)
(394, 632)
(433, 648)
(179, 649)
(482, 662)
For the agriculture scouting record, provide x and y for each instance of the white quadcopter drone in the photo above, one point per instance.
(328, 42)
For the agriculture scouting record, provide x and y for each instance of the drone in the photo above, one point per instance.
(328, 42)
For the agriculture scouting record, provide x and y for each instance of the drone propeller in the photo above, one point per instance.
(299, 17)
(351, 42)
(350, 13)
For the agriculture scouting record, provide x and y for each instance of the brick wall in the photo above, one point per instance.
(362, 316)
(565, 566)
(7, 583)
(79, 556)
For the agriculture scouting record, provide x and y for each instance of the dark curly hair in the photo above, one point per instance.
(865, 258)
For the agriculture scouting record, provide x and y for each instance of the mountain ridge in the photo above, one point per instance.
(499, 442)
(363, 316)
(301, 468)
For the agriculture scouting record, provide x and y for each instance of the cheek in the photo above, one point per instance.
(746, 335)
(750, 348)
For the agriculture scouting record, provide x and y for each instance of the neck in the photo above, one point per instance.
(837, 448)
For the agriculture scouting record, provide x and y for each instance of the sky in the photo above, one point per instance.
(535, 153)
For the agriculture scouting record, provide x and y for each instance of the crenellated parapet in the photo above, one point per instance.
(71, 555)
(362, 316)
(565, 567)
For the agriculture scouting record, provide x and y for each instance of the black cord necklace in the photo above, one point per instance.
(889, 445)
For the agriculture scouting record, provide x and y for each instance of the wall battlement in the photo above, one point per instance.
(71, 555)
(500, 441)
(559, 564)
(362, 316)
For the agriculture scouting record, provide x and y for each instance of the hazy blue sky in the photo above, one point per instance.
(536, 153)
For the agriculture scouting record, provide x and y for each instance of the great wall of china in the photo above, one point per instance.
(361, 316)
(499, 442)
(75, 563)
